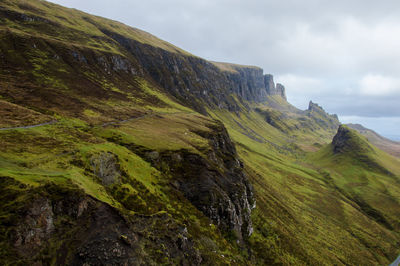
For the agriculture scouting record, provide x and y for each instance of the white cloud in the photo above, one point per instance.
(296, 83)
(378, 85)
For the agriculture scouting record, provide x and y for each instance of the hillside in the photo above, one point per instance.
(387, 145)
(120, 148)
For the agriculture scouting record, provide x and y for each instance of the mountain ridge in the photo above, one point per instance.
(390, 146)
(161, 157)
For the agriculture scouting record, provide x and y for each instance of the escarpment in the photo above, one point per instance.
(273, 89)
(217, 184)
(197, 82)
(213, 181)
(193, 81)
(118, 148)
(90, 232)
(321, 117)
(346, 140)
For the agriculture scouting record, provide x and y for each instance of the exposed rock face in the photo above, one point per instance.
(348, 142)
(248, 83)
(215, 184)
(341, 139)
(191, 79)
(226, 198)
(280, 90)
(225, 195)
(35, 227)
(273, 89)
(251, 85)
(322, 118)
(92, 233)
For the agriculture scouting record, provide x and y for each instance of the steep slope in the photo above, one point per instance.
(366, 176)
(120, 148)
(387, 145)
(96, 50)
(302, 215)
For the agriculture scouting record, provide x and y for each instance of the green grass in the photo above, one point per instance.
(233, 68)
(164, 132)
(74, 26)
(314, 207)
(304, 215)
(59, 155)
(171, 106)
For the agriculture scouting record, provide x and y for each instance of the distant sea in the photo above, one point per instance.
(393, 137)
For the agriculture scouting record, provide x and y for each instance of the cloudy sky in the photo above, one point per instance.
(344, 54)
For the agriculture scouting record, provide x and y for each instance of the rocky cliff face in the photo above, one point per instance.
(322, 118)
(195, 81)
(341, 140)
(346, 140)
(90, 232)
(217, 185)
(214, 182)
(273, 89)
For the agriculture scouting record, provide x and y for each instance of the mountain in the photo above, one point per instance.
(389, 146)
(120, 148)
(362, 173)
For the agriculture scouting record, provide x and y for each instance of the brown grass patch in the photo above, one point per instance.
(12, 115)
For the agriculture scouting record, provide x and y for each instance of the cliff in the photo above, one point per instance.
(321, 117)
(121, 50)
(119, 148)
(197, 82)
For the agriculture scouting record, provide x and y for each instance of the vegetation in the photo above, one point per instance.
(116, 152)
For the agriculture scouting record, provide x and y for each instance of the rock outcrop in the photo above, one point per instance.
(193, 81)
(90, 232)
(214, 182)
(349, 143)
(197, 82)
(217, 185)
(347, 140)
(273, 89)
(322, 118)
(341, 140)
(387, 145)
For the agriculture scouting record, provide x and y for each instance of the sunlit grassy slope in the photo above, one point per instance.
(72, 25)
(60, 154)
(313, 206)
(387, 145)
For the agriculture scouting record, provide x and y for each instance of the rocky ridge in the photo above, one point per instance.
(390, 146)
(321, 117)
(214, 183)
(196, 81)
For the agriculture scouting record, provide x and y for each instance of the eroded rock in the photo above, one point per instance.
(215, 184)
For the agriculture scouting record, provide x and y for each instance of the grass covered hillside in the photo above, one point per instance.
(120, 148)
(390, 146)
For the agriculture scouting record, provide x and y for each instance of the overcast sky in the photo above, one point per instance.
(344, 54)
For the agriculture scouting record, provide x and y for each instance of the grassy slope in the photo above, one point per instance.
(89, 108)
(229, 67)
(387, 145)
(304, 216)
(61, 153)
(74, 22)
(307, 210)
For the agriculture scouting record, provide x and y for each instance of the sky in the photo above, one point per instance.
(343, 54)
